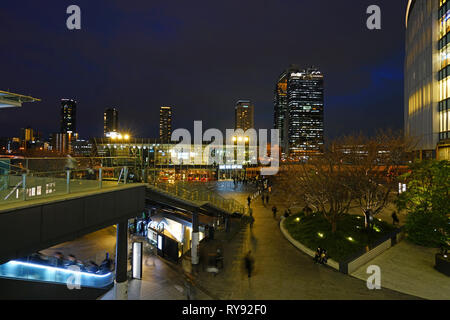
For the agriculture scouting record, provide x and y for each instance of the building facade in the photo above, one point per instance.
(299, 109)
(110, 121)
(68, 116)
(281, 108)
(244, 115)
(165, 124)
(427, 77)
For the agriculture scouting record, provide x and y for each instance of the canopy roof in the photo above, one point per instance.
(10, 100)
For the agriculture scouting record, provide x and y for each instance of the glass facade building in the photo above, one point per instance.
(299, 107)
(165, 124)
(244, 115)
(68, 116)
(427, 77)
(110, 120)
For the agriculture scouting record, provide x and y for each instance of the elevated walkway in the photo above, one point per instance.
(33, 225)
(203, 201)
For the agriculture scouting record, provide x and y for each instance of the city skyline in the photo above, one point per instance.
(374, 101)
(174, 151)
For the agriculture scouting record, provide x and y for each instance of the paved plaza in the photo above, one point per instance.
(281, 271)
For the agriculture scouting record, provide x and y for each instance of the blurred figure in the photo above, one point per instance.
(395, 219)
(249, 263)
(71, 260)
(105, 266)
(189, 286)
(317, 255)
(81, 265)
(59, 259)
(70, 163)
(287, 214)
(92, 267)
(219, 259)
(274, 211)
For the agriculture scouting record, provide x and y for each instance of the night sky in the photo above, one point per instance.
(199, 57)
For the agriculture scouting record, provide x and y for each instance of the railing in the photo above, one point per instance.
(201, 197)
(20, 184)
(49, 271)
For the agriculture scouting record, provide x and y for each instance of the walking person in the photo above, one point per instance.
(249, 263)
(395, 219)
(274, 211)
(267, 199)
(249, 201)
(189, 287)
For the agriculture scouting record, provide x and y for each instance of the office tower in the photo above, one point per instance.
(281, 117)
(110, 121)
(427, 77)
(244, 115)
(27, 134)
(165, 124)
(68, 116)
(299, 106)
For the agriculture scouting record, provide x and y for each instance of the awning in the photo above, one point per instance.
(11, 100)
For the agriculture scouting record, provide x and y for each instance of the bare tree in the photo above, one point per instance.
(319, 184)
(373, 165)
(355, 169)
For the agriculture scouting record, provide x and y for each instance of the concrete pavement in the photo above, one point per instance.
(410, 268)
(281, 271)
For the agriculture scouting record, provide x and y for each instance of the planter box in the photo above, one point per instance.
(443, 264)
(354, 263)
(301, 247)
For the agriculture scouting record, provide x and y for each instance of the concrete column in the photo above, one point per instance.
(121, 283)
(195, 239)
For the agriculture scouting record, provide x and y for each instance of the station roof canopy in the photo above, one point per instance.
(10, 100)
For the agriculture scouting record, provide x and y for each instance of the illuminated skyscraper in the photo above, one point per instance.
(244, 115)
(68, 116)
(427, 77)
(165, 124)
(299, 104)
(110, 121)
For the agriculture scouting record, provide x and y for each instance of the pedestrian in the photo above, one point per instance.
(249, 200)
(274, 211)
(267, 198)
(249, 263)
(395, 220)
(189, 287)
(219, 259)
(317, 255)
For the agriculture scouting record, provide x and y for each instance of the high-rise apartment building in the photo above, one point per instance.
(299, 107)
(165, 124)
(68, 116)
(244, 115)
(427, 77)
(110, 121)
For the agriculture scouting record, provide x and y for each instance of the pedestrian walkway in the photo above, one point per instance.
(160, 282)
(409, 268)
(281, 271)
